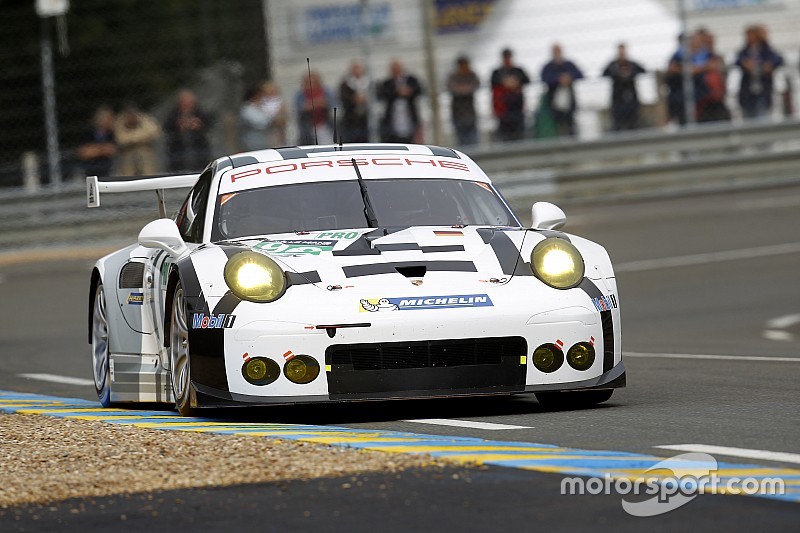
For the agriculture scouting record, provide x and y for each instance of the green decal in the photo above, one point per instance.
(338, 235)
(286, 248)
(164, 271)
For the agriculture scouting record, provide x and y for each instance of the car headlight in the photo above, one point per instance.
(557, 263)
(255, 277)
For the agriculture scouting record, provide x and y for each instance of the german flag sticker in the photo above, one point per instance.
(450, 233)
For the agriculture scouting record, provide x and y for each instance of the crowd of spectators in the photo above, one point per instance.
(757, 61)
(128, 139)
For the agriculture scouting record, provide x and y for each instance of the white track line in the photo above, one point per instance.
(735, 452)
(706, 258)
(53, 378)
(707, 356)
(465, 424)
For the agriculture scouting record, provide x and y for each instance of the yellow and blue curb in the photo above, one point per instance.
(523, 455)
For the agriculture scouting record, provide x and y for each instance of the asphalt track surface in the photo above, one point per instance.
(702, 277)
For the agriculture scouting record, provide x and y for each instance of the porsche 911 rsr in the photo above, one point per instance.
(354, 272)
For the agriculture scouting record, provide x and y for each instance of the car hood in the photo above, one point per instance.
(434, 255)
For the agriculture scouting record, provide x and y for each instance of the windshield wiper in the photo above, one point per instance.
(372, 220)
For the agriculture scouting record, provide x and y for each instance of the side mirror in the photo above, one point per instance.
(545, 215)
(163, 234)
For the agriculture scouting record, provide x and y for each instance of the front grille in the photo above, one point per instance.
(426, 354)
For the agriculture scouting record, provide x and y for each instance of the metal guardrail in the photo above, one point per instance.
(60, 217)
(636, 164)
(634, 147)
(707, 157)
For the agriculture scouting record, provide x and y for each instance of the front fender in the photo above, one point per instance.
(206, 345)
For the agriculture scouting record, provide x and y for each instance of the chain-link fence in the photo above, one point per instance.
(566, 75)
(123, 55)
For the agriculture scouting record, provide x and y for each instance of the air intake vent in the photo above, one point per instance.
(427, 354)
(493, 365)
(132, 276)
(608, 340)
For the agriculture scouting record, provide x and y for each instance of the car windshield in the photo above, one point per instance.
(339, 205)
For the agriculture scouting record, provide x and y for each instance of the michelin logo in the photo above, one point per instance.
(375, 305)
(203, 321)
(383, 304)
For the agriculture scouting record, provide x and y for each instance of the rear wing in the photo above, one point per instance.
(94, 187)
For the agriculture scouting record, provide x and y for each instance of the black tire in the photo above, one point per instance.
(180, 371)
(573, 399)
(100, 351)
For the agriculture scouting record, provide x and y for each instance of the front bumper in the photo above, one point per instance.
(613, 379)
(521, 310)
(458, 386)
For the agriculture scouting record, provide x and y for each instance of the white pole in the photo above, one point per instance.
(267, 35)
(50, 120)
(369, 72)
(428, 16)
(688, 79)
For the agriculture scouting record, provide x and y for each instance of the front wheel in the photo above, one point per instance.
(100, 357)
(573, 399)
(180, 372)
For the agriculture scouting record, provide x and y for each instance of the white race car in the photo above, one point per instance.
(350, 272)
